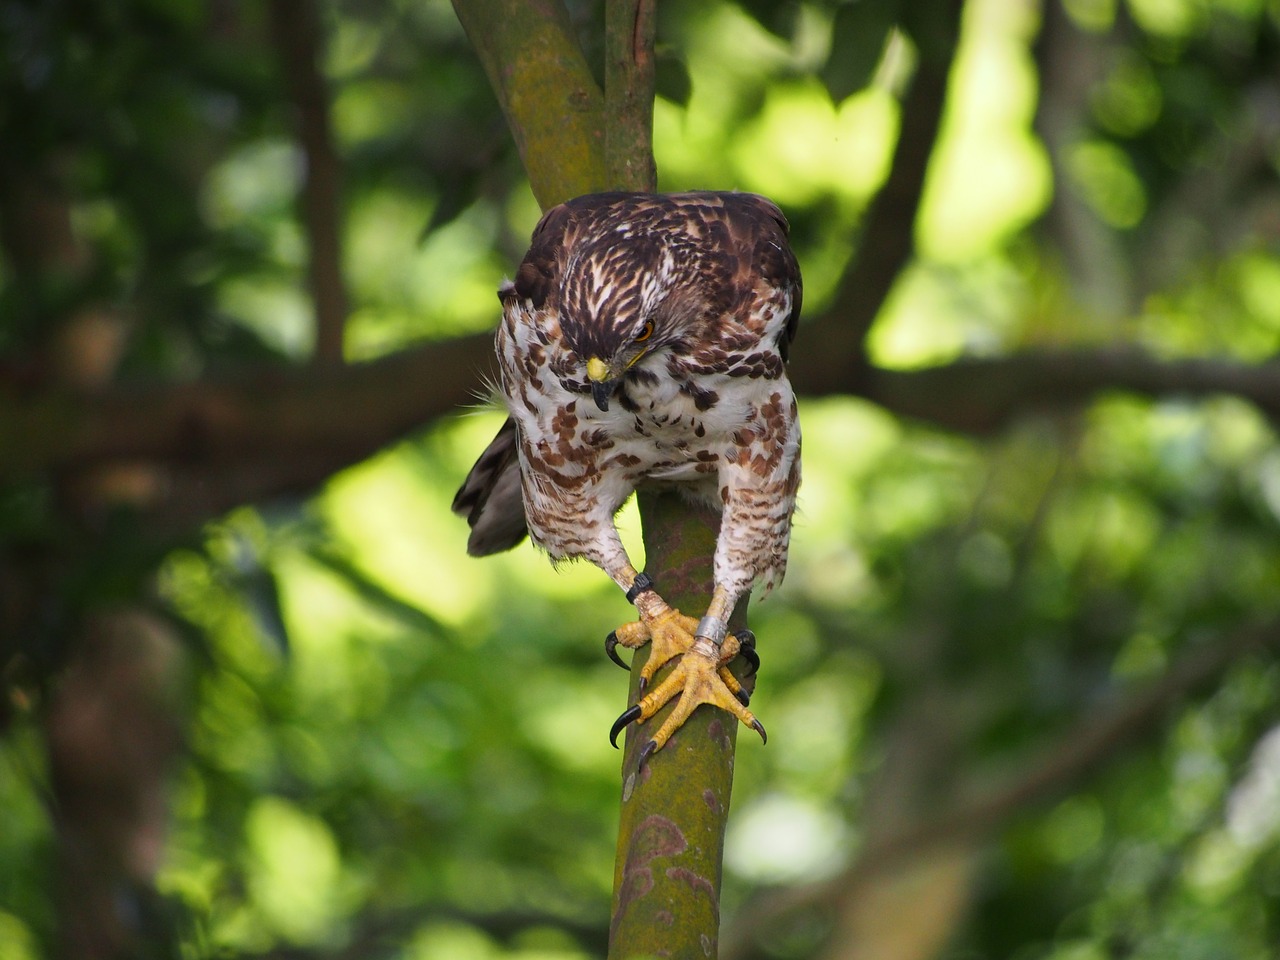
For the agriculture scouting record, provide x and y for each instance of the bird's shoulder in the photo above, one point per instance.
(731, 246)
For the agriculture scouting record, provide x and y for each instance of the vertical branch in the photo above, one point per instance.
(575, 139)
(113, 729)
(296, 33)
(628, 94)
(666, 879)
(553, 106)
(888, 231)
(666, 885)
(109, 728)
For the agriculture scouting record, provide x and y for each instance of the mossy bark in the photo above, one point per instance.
(575, 139)
(553, 106)
(629, 86)
(666, 881)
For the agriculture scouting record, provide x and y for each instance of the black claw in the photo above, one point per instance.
(646, 752)
(744, 698)
(631, 713)
(759, 727)
(747, 651)
(644, 682)
(610, 647)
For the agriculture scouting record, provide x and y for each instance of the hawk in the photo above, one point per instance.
(643, 340)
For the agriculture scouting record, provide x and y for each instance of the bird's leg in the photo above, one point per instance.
(701, 676)
(675, 632)
(669, 632)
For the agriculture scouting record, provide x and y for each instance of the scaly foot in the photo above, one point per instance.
(670, 634)
(701, 676)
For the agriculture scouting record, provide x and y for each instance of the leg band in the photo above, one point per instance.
(639, 585)
(713, 629)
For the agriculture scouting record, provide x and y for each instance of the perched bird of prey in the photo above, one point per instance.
(643, 341)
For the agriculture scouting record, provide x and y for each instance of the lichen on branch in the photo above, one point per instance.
(553, 106)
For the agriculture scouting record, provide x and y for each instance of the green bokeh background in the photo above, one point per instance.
(394, 750)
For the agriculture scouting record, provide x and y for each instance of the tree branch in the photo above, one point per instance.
(666, 890)
(113, 733)
(281, 431)
(347, 412)
(553, 106)
(981, 396)
(296, 34)
(888, 230)
(629, 86)
(666, 885)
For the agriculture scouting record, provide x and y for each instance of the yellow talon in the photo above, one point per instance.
(669, 634)
(701, 676)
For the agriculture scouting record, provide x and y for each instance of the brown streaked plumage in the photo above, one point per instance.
(643, 340)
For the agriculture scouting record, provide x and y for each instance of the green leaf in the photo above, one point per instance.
(261, 593)
(671, 76)
(777, 16)
(858, 36)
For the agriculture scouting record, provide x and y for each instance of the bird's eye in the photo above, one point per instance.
(645, 332)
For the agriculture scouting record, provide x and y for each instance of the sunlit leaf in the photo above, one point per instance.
(858, 35)
(672, 78)
(776, 16)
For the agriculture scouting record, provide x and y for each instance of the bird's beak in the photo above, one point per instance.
(602, 383)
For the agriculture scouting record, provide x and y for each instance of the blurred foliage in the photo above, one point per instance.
(393, 750)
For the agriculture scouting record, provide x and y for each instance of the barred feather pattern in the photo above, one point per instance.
(690, 301)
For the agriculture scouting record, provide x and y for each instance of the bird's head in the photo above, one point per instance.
(613, 313)
(613, 357)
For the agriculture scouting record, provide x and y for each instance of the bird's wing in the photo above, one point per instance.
(761, 228)
(490, 497)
